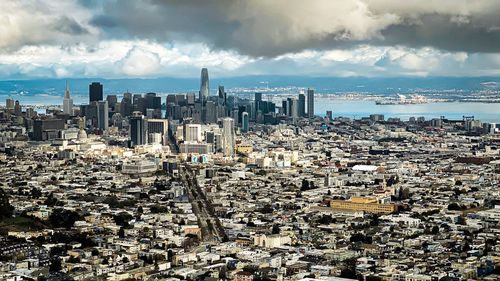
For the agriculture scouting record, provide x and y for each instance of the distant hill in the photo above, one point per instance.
(321, 84)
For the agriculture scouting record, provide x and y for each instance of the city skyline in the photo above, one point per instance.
(250, 140)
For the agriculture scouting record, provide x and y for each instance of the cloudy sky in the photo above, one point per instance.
(175, 38)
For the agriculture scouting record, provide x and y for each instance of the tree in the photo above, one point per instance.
(36, 193)
(454, 207)
(122, 219)
(6, 208)
(267, 209)
(276, 229)
(305, 185)
(55, 264)
(435, 230)
(121, 232)
(63, 218)
(325, 219)
(349, 270)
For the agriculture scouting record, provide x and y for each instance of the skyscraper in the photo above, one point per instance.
(67, 102)
(192, 133)
(17, 108)
(257, 101)
(47, 129)
(294, 108)
(302, 105)
(210, 112)
(228, 139)
(222, 95)
(102, 115)
(284, 107)
(310, 103)
(157, 126)
(95, 92)
(204, 87)
(245, 122)
(9, 103)
(329, 114)
(112, 100)
(137, 131)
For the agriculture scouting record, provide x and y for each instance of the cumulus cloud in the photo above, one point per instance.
(140, 62)
(272, 28)
(117, 58)
(149, 38)
(44, 22)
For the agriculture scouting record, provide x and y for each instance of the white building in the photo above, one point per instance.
(67, 102)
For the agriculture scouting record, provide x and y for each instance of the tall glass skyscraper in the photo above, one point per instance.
(310, 103)
(102, 115)
(302, 105)
(95, 92)
(204, 87)
(137, 132)
(245, 120)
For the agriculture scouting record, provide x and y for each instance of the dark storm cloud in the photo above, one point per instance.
(271, 28)
(442, 33)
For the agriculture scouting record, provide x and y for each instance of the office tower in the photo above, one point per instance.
(234, 114)
(310, 103)
(126, 107)
(139, 103)
(95, 92)
(90, 112)
(150, 113)
(17, 108)
(151, 105)
(241, 109)
(289, 106)
(192, 133)
(256, 105)
(245, 122)
(258, 97)
(284, 107)
(271, 107)
(380, 117)
(127, 95)
(102, 115)
(302, 105)
(222, 95)
(112, 100)
(190, 98)
(47, 129)
(228, 138)
(490, 128)
(214, 138)
(30, 112)
(171, 99)
(157, 126)
(210, 112)
(152, 101)
(9, 103)
(294, 107)
(329, 114)
(204, 87)
(67, 102)
(137, 131)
